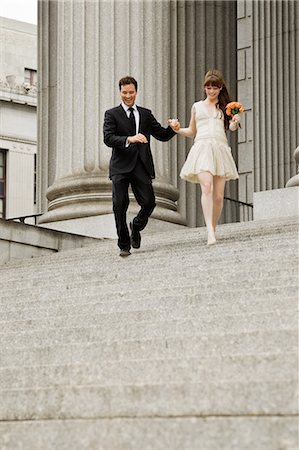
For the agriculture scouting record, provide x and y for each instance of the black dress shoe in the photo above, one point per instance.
(124, 252)
(135, 236)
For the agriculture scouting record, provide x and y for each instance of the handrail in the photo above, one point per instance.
(241, 211)
(23, 218)
(239, 201)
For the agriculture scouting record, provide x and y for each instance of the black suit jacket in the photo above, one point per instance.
(117, 127)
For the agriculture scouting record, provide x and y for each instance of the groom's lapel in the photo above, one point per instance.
(141, 118)
(123, 112)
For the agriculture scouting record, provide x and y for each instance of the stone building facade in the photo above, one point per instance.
(268, 85)
(86, 46)
(18, 118)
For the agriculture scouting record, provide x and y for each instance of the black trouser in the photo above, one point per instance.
(142, 188)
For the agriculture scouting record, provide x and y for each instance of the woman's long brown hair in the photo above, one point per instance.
(215, 78)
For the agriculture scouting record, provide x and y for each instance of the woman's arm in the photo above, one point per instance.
(187, 132)
(233, 124)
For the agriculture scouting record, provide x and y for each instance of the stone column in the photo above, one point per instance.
(294, 181)
(268, 85)
(93, 44)
(245, 134)
(204, 36)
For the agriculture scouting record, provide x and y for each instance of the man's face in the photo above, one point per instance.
(128, 94)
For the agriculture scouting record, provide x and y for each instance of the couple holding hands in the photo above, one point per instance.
(127, 129)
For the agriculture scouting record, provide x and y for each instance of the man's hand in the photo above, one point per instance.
(174, 124)
(137, 138)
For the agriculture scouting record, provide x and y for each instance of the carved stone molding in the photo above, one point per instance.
(294, 181)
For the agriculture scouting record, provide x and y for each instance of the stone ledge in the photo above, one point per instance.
(19, 240)
(276, 203)
(176, 433)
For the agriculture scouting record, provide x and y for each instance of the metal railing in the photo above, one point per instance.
(23, 218)
(238, 212)
(241, 210)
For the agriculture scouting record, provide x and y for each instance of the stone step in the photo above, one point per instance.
(135, 289)
(94, 316)
(33, 311)
(174, 336)
(153, 433)
(163, 328)
(179, 245)
(148, 252)
(179, 370)
(183, 261)
(157, 286)
(180, 268)
(134, 299)
(192, 399)
(189, 297)
(225, 344)
(203, 272)
(233, 233)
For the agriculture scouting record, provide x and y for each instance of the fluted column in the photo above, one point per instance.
(69, 130)
(275, 90)
(156, 47)
(95, 43)
(205, 38)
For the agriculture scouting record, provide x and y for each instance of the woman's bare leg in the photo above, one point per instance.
(206, 183)
(218, 195)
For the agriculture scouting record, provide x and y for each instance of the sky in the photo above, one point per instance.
(24, 10)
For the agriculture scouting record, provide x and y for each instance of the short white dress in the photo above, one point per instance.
(210, 151)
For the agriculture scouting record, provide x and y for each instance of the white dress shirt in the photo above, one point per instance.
(135, 112)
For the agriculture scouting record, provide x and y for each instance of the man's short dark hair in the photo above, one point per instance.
(127, 80)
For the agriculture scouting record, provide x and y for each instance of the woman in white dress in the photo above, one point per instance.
(210, 160)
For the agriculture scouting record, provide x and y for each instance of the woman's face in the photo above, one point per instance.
(212, 92)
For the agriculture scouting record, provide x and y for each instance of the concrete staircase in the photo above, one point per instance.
(178, 347)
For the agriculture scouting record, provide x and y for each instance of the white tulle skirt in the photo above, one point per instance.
(209, 155)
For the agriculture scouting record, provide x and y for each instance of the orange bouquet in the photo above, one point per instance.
(234, 108)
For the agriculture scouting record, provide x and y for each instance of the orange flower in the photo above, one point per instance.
(234, 108)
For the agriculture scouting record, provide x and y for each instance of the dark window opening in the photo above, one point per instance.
(30, 76)
(35, 177)
(2, 182)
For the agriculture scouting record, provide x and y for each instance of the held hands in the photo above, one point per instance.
(137, 138)
(174, 124)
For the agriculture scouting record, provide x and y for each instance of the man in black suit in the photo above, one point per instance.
(127, 129)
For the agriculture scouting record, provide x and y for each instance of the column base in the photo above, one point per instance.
(103, 226)
(87, 196)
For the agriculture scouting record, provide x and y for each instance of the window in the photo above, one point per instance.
(30, 76)
(2, 182)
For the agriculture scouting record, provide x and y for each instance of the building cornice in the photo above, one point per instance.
(18, 98)
(24, 93)
(17, 139)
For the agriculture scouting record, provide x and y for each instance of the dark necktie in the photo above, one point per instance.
(132, 120)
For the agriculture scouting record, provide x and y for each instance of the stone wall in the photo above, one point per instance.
(268, 86)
